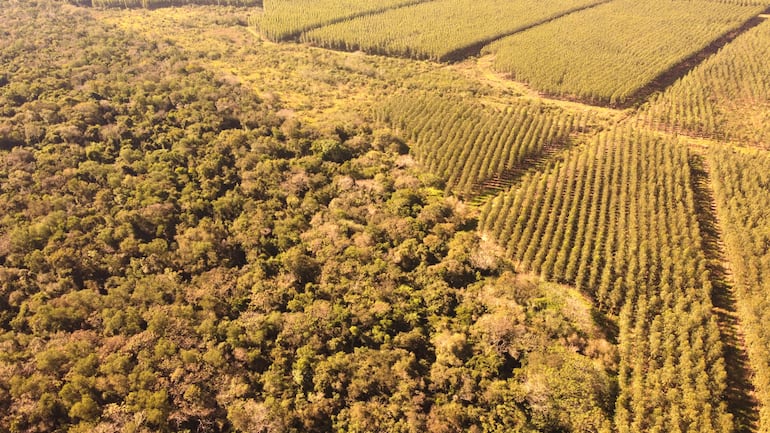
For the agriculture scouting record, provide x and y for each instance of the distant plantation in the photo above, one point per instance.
(725, 97)
(467, 143)
(608, 53)
(617, 220)
(285, 19)
(458, 25)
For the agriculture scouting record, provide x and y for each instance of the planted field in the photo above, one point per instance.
(744, 2)
(727, 96)
(610, 52)
(152, 4)
(617, 220)
(440, 30)
(285, 19)
(467, 143)
(742, 196)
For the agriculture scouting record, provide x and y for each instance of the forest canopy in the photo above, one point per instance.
(211, 222)
(178, 254)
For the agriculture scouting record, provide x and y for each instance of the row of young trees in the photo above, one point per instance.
(617, 220)
(725, 97)
(287, 19)
(467, 143)
(608, 53)
(439, 30)
(741, 182)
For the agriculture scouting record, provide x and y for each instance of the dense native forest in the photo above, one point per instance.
(474, 216)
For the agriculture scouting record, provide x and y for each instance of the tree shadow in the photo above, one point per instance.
(740, 396)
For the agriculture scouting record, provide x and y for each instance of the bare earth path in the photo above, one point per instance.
(740, 396)
(481, 70)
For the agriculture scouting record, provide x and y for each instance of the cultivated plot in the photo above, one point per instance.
(609, 53)
(726, 97)
(440, 30)
(616, 219)
(285, 19)
(466, 143)
(740, 181)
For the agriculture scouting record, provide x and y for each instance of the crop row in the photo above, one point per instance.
(726, 97)
(610, 52)
(439, 30)
(467, 143)
(617, 220)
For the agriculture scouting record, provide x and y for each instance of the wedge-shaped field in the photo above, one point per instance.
(467, 143)
(742, 192)
(610, 52)
(617, 220)
(726, 97)
(440, 30)
(285, 19)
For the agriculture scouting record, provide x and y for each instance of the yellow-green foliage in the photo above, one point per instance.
(284, 19)
(728, 96)
(439, 29)
(617, 220)
(608, 53)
